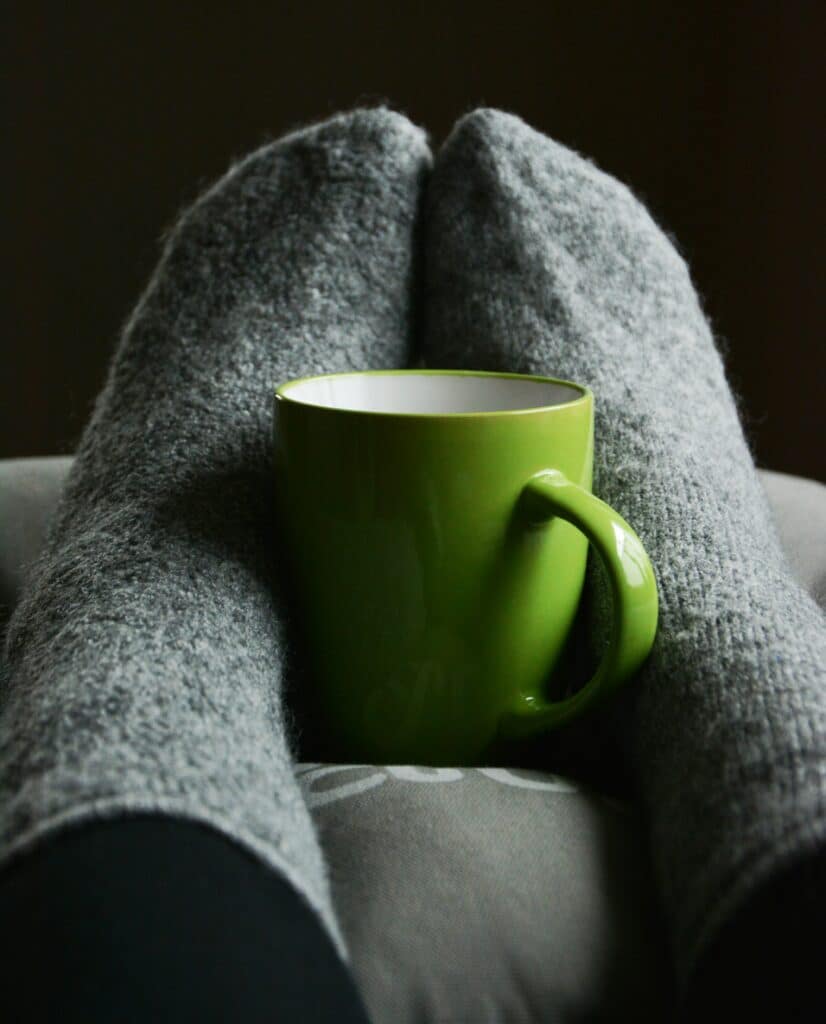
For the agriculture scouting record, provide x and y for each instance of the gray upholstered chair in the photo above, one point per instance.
(474, 895)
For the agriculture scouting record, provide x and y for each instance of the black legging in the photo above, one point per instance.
(148, 919)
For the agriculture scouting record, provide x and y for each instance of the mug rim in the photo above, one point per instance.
(584, 393)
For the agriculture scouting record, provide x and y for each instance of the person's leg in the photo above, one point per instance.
(539, 262)
(144, 663)
(151, 919)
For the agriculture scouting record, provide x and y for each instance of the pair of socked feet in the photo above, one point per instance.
(144, 665)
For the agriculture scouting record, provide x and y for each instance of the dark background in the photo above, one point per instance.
(118, 114)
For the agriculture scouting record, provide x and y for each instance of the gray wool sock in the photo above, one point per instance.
(539, 262)
(145, 658)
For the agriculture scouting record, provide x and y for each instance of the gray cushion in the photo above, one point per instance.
(489, 895)
(799, 508)
(475, 895)
(29, 489)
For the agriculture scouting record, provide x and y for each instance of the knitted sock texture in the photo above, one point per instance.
(538, 262)
(144, 662)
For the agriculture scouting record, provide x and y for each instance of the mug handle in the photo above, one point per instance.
(633, 590)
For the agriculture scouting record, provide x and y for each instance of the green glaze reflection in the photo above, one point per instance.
(439, 561)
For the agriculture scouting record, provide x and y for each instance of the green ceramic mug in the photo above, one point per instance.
(437, 524)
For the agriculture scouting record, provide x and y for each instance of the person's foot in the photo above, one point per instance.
(539, 262)
(145, 659)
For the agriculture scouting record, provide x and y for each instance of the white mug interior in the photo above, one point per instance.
(432, 394)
